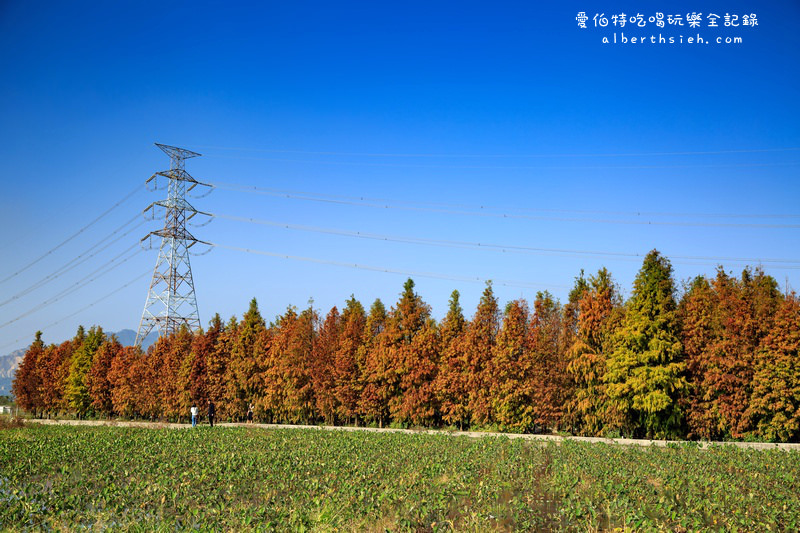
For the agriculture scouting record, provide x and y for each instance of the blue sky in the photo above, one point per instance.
(466, 122)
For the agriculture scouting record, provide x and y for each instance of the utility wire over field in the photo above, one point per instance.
(102, 270)
(79, 259)
(494, 212)
(501, 282)
(74, 235)
(507, 156)
(510, 248)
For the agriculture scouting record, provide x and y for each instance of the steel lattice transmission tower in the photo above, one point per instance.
(171, 301)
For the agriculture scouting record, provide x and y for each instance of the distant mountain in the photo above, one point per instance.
(127, 337)
(9, 363)
(8, 367)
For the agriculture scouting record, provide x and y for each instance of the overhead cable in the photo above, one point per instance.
(470, 279)
(68, 239)
(516, 167)
(77, 285)
(110, 294)
(76, 261)
(501, 247)
(539, 155)
(480, 211)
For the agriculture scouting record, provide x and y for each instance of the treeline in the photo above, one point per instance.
(720, 363)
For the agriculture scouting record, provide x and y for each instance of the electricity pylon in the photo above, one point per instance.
(171, 301)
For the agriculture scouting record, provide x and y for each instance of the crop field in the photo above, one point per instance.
(120, 478)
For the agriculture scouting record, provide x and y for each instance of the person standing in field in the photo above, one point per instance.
(250, 414)
(194, 410)
(211, 412)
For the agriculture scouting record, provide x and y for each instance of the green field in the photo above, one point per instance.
(62, 477)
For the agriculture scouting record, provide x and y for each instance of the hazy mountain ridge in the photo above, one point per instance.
(8, 367)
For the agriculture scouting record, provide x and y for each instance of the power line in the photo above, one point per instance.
(68, 239)
(283, 192)
(110, 294)
(554, 155)
(515, 167)
(480, 211)
(469, 279)
(77, 285)
(102, 270)
(76, 261)
(499, 247)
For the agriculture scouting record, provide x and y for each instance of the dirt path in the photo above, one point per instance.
(470, 434)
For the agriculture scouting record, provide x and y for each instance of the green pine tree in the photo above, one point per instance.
(77, 391)
(645, 371)
(242, 369)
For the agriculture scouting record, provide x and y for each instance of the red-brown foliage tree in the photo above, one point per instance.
(217, 362)
(288, 394)
(375, 394)
(53, 368)
(411, 359)
(27, 380)
(512, 367)
(347, 363)
(124, 379)
(243, 372)
(723, 324)
(325, 345)
(203, 345)
(774, 410)
(548, 376)
(97, 381)
(451, 383)
(479, 339)
(599, 313)
(173, 382)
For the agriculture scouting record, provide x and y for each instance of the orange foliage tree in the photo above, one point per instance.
(512, 371)
(375, 370)
(548, 376)
(98, 383)
(452, 379)
(774, 409)
(478, 343)
(218, 359)
(53, 367)
(724, 322)
(124, 380)
(599, 312)
(412, 357)
(324, 347)
(347, 361)
(26, 384)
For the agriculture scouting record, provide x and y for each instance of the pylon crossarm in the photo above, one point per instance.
(174, 203)
(152, 211)
(180, 175)
(178, 153)
(179, 234)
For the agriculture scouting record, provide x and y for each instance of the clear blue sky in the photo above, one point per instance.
(435, 108)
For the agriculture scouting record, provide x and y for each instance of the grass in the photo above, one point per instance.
(136, 479)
